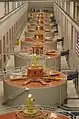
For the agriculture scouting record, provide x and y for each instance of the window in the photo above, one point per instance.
(10, 38)
(18, 3)
(6, 48)
(4, 56)
(12, 33)
(7, 37)
(0, 46)
(10, 6)
(14, 28)
(13, 5)
(3, 43)
(2, 9)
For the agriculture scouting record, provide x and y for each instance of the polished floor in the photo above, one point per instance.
(70, 90)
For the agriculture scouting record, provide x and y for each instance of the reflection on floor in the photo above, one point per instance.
(71, 89)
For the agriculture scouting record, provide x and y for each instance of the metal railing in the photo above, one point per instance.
(5, 74)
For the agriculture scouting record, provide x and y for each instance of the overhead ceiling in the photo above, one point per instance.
(40, 0)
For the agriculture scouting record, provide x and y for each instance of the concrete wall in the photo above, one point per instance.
(69, 32)
(16, 20)
(10, 20)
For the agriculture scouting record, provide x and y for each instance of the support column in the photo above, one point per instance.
(6, 8)
(66, 36)
(59, 31)
(76, 12)
(70, 27)
(70, 36)
(61, 4)
(64, 28)
(16, 4)
(13, 5)
(72, 9)
(74, 48)
(65, 6)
